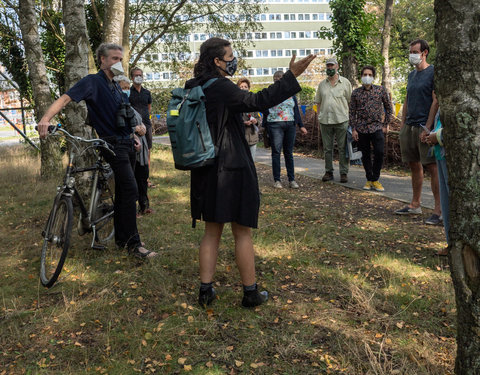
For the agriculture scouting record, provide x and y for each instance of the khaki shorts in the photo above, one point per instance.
(412, 149)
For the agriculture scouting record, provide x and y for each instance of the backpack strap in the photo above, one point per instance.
(208, 83)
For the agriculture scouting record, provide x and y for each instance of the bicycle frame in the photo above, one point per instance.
(69, 189)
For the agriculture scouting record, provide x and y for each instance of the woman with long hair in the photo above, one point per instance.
(227, 192)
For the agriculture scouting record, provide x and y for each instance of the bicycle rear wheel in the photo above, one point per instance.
(56, 241)
(103, 210)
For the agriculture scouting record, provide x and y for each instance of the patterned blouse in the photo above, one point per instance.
(282, 111)
(370, 109)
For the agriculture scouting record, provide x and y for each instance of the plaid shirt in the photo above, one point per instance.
(370, 109)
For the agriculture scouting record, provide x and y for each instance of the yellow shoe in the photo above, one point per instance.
(368, 185)
(377, 186)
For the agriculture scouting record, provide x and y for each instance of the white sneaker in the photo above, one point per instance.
(293, 184)
(277, 185)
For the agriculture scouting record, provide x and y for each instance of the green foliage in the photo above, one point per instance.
(307, 95)
(160, 99)
(351, 28)
(13, 58)
(53, 46)
(412, 19)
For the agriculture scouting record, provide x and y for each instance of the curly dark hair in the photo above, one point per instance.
(209, 50)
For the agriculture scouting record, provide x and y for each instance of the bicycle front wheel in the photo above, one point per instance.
(56, 241)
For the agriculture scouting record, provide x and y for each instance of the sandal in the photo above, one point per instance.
(142, 255)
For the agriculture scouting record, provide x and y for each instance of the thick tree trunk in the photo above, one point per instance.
(387, 25)
(76, 67)
(50, 149)
(126, 39)
(350, 69)
(457, 79)
(114, 20)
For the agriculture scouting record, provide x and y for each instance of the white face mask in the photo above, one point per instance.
(415, 58)
(117, 69)
(367, 80)
(138, 80)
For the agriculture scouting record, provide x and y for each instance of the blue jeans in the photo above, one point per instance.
(444, 204)
(282, 134)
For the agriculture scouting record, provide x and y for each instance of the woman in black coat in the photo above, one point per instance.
(227, 192)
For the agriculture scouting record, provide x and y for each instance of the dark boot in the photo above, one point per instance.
(206, 297)
(254, 298)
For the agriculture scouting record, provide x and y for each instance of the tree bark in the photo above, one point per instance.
(114, 20)
(387, 25)
(457, 78)
(50, 149)
(76, 67)
(350, 69)
(126, 39)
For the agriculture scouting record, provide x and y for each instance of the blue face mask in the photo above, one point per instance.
(126, 92)
(231, 66)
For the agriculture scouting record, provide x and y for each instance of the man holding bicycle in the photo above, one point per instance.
(108, 110)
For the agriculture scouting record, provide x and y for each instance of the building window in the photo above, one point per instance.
(273, 53)
(259, 71)
(293, 35)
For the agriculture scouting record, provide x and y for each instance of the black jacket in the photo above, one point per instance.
(228, 190)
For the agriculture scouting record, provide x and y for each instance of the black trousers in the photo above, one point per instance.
(126, 193)
(141, 176)
(365, 143)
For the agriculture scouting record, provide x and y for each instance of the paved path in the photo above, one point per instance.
(396, 187)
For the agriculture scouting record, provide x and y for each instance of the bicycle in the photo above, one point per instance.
(97, 219)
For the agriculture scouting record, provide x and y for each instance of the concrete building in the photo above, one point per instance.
(289, 27)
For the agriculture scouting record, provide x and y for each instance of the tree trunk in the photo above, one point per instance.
(126, 39)
(50, 148)
(76, 67)
(350, 69)
(387, 25)
(114, 20)
(457, 78)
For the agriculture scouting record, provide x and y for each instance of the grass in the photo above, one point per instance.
(354, 289)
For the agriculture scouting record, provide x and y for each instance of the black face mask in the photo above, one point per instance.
(231, 66)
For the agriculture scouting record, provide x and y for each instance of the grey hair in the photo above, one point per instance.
(121, 78)
(103, 49)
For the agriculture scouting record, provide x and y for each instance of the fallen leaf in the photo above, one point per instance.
(182, 361)
(239, 363)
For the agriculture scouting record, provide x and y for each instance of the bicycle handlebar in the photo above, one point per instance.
(52, 129)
